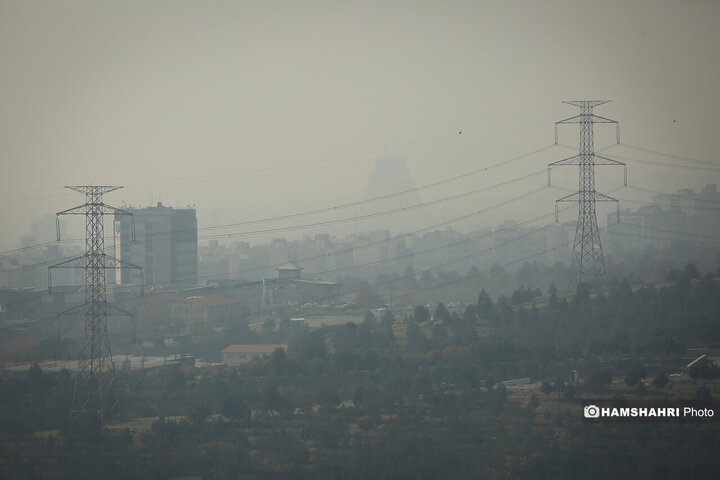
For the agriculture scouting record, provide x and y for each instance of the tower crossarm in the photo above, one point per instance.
(601, 160)
(112, 262)
(94, 209)
(82, 309)
(76, 310)
(65, 263)
(113, 309)
(601, 197)
(574, 160)
(585, 118)
(99, 208)
(573, 197)
(586, 103)
(94, 189)
(593, 159)
(79, 210)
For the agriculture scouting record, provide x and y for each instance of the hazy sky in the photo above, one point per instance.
(253, 109)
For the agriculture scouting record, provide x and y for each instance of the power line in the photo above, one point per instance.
(676, 195)
(381, 261)
(711, 238)
(28, 247)
(663, 164)
(378, 214)
(287, 167)
(452, 244)
(339, 206)
(397, 237)
(370, 287)
(401, 295)
(385, 197)
(352, 248)
(676, 157)
(642, 202)
(375, 199)
(323, 223)
(435, 267)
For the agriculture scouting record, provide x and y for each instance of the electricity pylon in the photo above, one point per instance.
(587, 258)
(95, 368)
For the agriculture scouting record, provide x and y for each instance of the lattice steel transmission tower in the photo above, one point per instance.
(96, 367)
(587, 258)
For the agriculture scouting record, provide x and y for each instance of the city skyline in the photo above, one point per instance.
(206, 108)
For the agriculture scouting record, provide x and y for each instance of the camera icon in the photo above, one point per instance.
(591, 411)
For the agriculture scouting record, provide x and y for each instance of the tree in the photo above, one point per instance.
(597, 380)
(546, 387)
(272, 400)
(702, 394)
(385, 332)
(415, 337)
(439, 336)
(660, 381)
(691, 272)
(370, 321)
(634, 373)
(327, 395)
(172, 379)
(441, 313)
(552, 299)
(704, 370)
(503, 312)
(421, 314)
(36, 379)
(484, 305)
(470, 315)
(582, 295)
(278, 361)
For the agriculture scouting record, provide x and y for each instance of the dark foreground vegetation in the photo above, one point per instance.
(419, 399)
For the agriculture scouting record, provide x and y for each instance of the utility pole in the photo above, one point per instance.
(95, 367)
(587, 258)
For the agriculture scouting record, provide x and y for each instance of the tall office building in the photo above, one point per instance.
(165, 245)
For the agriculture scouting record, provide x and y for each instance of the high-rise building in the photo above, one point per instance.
(390, 176)
(165, 245)
(685, 216)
